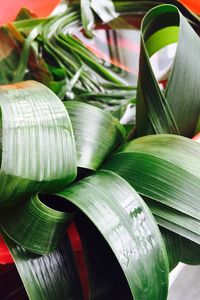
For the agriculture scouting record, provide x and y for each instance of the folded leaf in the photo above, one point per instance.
(38, 150)
(125, 222)
(154, 169)
(175, 149)
(169, 112)
(49, 276)
(96, 132)
(36, 226)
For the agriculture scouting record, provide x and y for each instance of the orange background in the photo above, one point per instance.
(42, 8)
(194, 5)
(10, 8)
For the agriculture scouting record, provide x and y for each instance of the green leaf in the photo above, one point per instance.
(190, 252)
(173, 247)
(127, 225)
(38, 149)
(156, 172)
(49, 276)
(35, 225)
(109, 213)
(9, 55)
(169, 112)
(26, 26)
(22, 65)
(87, 17)
(181, 151)
(24, 14)
(143, 7)
(96, 132)
(180, 249)
(69, 43)
(175, 221)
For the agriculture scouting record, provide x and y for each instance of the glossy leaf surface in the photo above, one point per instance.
(96, 132)
(157, 111)
(44, 277)
(36, 226)
(32, 115)
(127, 225)
(158, 173)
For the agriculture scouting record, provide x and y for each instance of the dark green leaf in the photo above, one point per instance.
(169, 112)
(127, 225)
(50, 276)
(96, 132)
(154, 169)
(36, 226)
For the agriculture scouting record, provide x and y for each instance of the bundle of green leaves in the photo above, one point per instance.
(64, 162)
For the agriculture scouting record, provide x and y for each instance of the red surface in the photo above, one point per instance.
(197, 138)
(77, 247)
(194, 5)
(10, 8)
(72, 232)
(5, 257)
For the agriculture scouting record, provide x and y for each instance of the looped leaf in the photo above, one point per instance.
(38, 148)
(127, 225)
(35, 226)
(125, 222)
(97, 133)
(159, 112)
